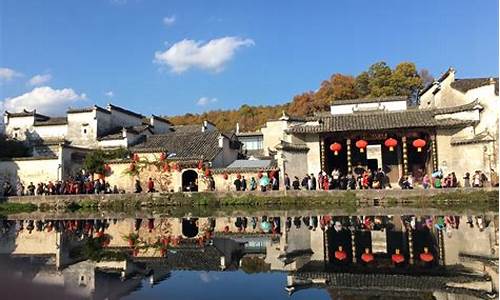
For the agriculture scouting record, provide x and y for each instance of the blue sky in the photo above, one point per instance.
(162, 57)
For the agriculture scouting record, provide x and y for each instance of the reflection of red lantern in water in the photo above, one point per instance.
(426, 256)
(340, 254)
(361, 144)
(367, 257)
(419, 144)
(391, 143)
(335, 147)
(163, 251)
(397, 257)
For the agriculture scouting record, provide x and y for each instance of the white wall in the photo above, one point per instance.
(29, 170)
(19, 125)
(51, 132)
(119, 118)
(76, 128)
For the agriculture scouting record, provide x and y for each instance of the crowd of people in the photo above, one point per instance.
(336, 180)
(74, 185)
(378, 179)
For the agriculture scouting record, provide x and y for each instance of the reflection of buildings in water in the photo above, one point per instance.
(302, 245)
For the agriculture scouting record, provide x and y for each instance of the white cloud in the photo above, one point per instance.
(204, 101)
(44, 99)
(40, 79)
(7, 74)
(109, 94)
(169, 21)
(212, 55)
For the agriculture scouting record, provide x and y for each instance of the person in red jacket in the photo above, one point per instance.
(151, 185)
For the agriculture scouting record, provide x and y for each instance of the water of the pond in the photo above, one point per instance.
(278, 255)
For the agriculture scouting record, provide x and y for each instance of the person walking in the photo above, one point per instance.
(151, 185)
(237, 184)
(287, 182)
(243, 184)
(138, 188)
(296, 183)
(467, 180)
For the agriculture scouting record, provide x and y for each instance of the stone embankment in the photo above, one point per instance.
(353, 198)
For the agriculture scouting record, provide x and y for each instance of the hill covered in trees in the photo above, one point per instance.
(378, 81)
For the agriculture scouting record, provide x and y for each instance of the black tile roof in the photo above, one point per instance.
(286, 146)
(87, 109)
(186, 145)
(161, 119)
(369, 100)
(463, 85)
(116, 133)
(52, 121)
(249, 133)
(125, 111)
(383, 120)
(26, 113)
(187, 128)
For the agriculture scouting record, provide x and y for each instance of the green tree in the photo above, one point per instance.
(380, 75)
(405, 80)
(362, 84)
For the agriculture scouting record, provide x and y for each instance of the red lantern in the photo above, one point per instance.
(163, 251)
(107, 168)
(166, 168)
(136, 157)
(419, 144)
(361, 144)
(336, 147)
(131, 168)
(200, 165)
(175, 167)
(272, 174)
(391, 143)
(207, 172)
(226, 176)
(163, 156)
(238, 176)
